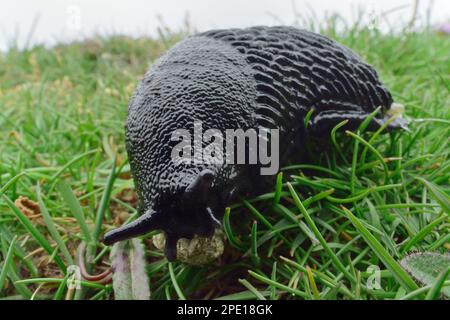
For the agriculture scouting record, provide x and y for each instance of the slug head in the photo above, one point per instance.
(198, 80)
(181, 215)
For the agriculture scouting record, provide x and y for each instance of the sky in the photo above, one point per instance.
(27, 22)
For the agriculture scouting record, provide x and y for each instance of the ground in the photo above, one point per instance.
(366, 202)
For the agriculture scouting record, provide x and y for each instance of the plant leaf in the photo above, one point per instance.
(130, 281)
(426, 267)
(139, 279)
(439, 195)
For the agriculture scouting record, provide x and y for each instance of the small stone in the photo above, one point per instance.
(198, 250)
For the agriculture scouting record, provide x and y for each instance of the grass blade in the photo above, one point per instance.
(439, 195)
(71, 162)
(278, 188)
(11, 182)
(51, 227)
(435, 291)
(252, 289)
(374, 151)
(337, 263)
(75, 208)
(399, 273)
(34, 232)
(277, 284)
(423, 233)
(175, 283)
(229, 232)
(104, 202)
(254, 248)
(7, 262)
(312, 283)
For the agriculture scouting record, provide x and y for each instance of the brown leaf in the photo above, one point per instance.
(29, 208)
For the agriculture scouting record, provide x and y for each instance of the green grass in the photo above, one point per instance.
(367, 199)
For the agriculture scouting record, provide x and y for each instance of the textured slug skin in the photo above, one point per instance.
(228, 79)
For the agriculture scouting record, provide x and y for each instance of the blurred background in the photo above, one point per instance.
(24, 23)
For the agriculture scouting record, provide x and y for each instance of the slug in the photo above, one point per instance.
(259, 77)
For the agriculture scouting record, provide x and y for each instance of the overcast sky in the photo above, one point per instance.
(65, 20)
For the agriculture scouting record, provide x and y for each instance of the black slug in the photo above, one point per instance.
(268, 77)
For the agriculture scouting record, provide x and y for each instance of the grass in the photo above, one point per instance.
(366, 200)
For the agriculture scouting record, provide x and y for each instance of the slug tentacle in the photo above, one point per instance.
(147, 222)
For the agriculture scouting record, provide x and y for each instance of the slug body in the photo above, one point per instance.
(267, 77)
